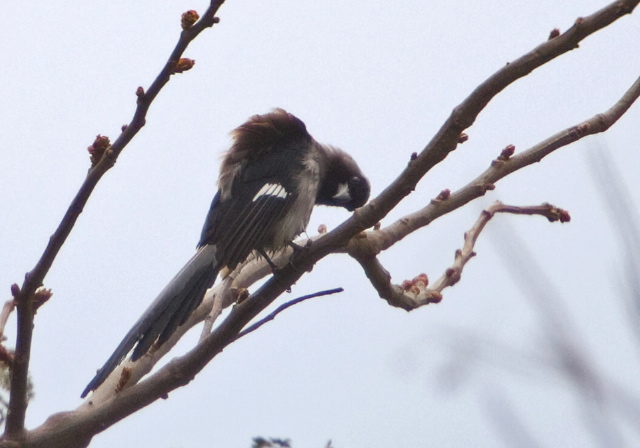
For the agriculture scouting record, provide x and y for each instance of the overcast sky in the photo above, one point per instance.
(377, 79)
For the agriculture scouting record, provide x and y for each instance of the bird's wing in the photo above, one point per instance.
(261, 195)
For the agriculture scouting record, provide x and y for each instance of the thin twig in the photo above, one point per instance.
(452, 275)
(415, 293)
(283, 307)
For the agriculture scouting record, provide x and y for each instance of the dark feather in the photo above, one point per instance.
(183, 293)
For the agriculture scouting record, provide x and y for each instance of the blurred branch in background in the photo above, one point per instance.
(618, 201)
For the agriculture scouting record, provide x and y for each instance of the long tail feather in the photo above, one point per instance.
(171, 309)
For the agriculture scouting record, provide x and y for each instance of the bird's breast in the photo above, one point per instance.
(296, 220)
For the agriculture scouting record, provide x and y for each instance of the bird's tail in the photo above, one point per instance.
(172, 308)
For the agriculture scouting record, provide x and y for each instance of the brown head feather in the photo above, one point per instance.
(259, 134)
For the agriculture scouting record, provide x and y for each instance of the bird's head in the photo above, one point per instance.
(343, 184)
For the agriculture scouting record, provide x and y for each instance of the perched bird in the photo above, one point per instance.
(270, 179)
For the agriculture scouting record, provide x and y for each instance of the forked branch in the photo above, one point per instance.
(415, 293)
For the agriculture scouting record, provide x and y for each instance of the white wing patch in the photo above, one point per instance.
(275, 190)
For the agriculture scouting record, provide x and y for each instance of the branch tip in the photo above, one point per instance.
(281, 308)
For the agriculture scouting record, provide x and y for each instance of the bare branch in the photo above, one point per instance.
(464, 115)
(452, 275)
(283, 307)
(414, 293)
(504, 165)
(365, 249)
(65, 430)
(34, 279)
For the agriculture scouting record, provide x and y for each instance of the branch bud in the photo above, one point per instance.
(182, 65)
(554, 33)
(188, 19)
(97, 149)
(444, 195)
(416, 284)
(507, 152)
(41, 297)
(557, 214)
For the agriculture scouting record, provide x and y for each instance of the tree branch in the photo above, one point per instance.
(378, 241)
(64, 430)
(464, 115)
(283, 307)
(180, 370)
(365, 249)
(414, 293)
(34, 278)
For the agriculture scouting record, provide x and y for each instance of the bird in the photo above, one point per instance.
(270, 179)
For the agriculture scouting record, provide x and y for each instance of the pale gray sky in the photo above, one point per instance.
(377, 79)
